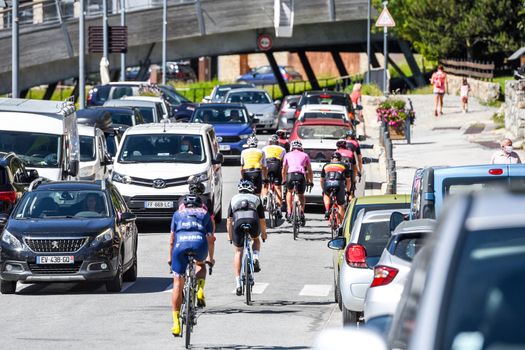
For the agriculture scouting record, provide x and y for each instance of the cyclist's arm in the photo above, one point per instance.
(172, 234)
(348, 179)
(309, 173)
(285, 169)
(229, 223)
(262, 221)
(323, 174)
(242, 162)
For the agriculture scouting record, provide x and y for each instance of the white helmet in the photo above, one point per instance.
(252, 141)
(296, 144)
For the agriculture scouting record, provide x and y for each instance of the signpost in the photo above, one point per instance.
(118, 39)
(385, 20)
(264, 42)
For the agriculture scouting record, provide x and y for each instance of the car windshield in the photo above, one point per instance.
(334, 132)
(321, 114)
(60, 204)
(147, 114)
(35, 150)
(408, 245)
(119, 118)
(249, 97)
(162, 148)
(374, 237)
(485, 307)
(326, 99)
(220, 115)
(319, 155)
(87, 148)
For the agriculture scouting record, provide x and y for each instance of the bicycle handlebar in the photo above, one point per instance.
(209, 263)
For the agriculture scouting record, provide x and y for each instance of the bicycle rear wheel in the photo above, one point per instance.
(270, 208)
(295, 222)
(188, 316)
(247, 282)
(333, 223)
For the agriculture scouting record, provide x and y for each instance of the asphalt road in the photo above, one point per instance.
(293, 298)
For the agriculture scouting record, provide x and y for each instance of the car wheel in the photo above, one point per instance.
(131, 274)
(349, 317)
(218, 216)
(338, 297)
(8, 287)
(115, 285)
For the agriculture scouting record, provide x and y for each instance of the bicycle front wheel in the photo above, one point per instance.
(270, 208)
(188, 316)
(247, 281)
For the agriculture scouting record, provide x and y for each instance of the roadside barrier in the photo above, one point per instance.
(386, 142)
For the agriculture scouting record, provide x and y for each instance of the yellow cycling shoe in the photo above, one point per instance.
(201, 301)
(175, 330)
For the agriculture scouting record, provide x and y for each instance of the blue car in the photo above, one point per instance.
(264, 75)
(432, 185)
(232, 124)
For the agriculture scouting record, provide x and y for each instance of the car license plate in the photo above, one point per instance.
(158, 205)
(224, 147)
(55, 259)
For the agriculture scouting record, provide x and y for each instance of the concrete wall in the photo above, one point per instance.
(515, 107)
(482, 90)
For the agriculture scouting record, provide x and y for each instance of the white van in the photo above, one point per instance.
(43, 134)
(94, 158)
(154, 161)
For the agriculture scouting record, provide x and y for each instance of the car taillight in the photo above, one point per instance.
(8, 196)
(355, 256)
(383, 275)
(496, 171)
(325, 96)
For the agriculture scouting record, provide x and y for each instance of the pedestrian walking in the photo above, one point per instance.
(464, 91)
(440, 82)
(355, 96)
(506, 154)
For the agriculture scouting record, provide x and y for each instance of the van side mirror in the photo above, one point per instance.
(32, 175)
(395, 219)
(367, 160)
(128, 217)
(108, 160)
(72, 170)
(219, 159)
(337, 243)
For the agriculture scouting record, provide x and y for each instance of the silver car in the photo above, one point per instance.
(369, 236)
(219, 92)
(391, 271)
(259, 104)
(287, 111)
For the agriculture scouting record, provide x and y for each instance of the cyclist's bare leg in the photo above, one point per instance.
(326, 201)
(279, 195)
(302, 201)
(264, 191)
(256, 245)
(237, 261)
(289, 201)
(341, 213)
(176, 295)
(200, 270)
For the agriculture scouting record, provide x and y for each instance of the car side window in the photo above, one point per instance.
(139, 119)
(213, 142)
(18, 171)
(119, 209)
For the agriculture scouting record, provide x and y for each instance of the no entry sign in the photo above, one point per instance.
(264, 42)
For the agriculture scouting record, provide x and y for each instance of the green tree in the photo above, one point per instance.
(477, 29)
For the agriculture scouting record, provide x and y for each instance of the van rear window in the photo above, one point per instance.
(462, 185)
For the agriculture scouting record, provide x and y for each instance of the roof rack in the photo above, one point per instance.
(37, 182)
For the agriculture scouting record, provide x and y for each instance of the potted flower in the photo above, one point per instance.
(396, 116)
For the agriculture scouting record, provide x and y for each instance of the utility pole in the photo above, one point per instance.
(15, 54)
(164, 38)
(105, 29)
(122, 55)
(368, 43)
(385, 53)
(81, 56)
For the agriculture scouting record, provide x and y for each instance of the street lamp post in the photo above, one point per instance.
(385, 53)
(14, 50)
(105, 29)
(368, 43)
(122, 55)
(164, 38)
(81, 56)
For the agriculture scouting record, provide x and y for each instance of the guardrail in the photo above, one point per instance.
(473, 69)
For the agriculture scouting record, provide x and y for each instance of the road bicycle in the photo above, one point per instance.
(334, 213)
(296, 208)
(271, 204)
(247, 279)
(189, 303)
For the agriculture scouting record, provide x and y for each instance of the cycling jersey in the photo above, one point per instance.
(335, 175)
(274, 158)
(245, 209)
(285, 144)
(207, 204)
(353, 145)
(253, 158)
(348, 156)
(296, 161)
(274, 151)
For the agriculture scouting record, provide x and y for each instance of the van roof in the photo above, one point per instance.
(31, 122)
(48, 108)
(129, 103)
(174, 128)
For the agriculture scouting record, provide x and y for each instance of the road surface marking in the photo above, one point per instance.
(168, 288)
(316, 290)
(258, 288)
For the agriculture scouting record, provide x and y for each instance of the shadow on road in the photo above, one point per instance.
(149, 285)
(234, 346)
(248, 310)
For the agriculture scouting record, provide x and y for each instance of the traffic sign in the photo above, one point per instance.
(385, 19)
(118, 39)
(264, 42)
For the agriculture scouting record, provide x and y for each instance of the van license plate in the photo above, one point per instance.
(56, 259)
(158, 205)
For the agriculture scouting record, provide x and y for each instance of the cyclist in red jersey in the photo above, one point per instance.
(348, 157)
(353, 145)
(283, 140)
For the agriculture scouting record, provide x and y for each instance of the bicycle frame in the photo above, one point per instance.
(247, 269)
(189, 307)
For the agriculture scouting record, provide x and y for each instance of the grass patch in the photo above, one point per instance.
(501, 82)
(499, 120)
(496, 103)
(425, 90)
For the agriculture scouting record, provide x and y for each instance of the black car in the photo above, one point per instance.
(323, 97)
(107, 116)
(68, 231)
(14, 178)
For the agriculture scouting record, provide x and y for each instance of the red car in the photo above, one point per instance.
(334, 129)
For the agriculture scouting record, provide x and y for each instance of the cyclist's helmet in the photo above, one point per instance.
(341, 144)
(296, 144)
(246, 186)
(252, 141)
(337, 155)
(273, 140)
(281, 133)
(350, 133)
(192, 201)
(197, 188)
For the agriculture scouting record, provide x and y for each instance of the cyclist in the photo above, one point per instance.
(274, 161)
(297, 167)
(348, 157)
(197, 188)
(283, 141)
(191, 231)
(353, 144)
(245, 208)
(253, 164)
(336, 175)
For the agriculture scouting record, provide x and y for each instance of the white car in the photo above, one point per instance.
(391, 271)
(323, 112)
(94, 157)
(320, 152)
(159, 101)
(369, 236)
(259, 104)
(154, 161)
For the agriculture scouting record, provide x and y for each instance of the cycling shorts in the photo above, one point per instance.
(339, 187)
(244, 217)
(255, 176)
(275, 171)
(299, 177)
(186, 242)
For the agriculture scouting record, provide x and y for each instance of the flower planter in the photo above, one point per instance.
(397, 131)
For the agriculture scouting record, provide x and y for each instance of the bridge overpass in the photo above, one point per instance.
(49, 52)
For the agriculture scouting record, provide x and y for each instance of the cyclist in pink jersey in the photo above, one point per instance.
(297, 167)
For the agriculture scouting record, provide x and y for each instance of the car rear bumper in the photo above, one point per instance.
(382, 300)
(354, 283)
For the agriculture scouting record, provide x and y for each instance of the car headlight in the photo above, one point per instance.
(125, 179)
(11, 240)
(244, 136)
(202, 177)
(105, 236)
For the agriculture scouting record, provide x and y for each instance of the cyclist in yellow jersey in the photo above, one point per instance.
(253, 164)
(274, 160)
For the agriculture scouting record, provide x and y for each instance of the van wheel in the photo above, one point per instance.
(8, 287)
(349, 317)
(218, 216)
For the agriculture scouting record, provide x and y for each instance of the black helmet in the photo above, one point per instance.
(192, 201)
(281, 133)
(337, 155)
(341, 144)
(350, 133)
(273, 140)
(197, 188)
(246, 185)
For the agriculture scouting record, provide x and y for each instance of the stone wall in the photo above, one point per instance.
(515, 107)
(484, 91)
